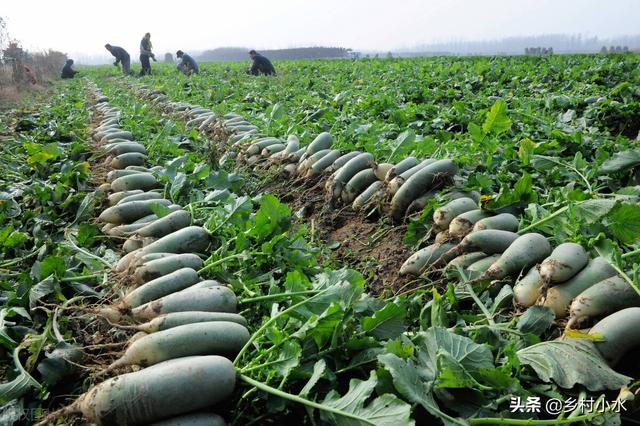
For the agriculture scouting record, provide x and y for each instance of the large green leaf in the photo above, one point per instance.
(386, 323)
(385, 410)
(469, 354)
(624, 222)
(621, 161)
(497, 120)
(592, 211)
(572, 361)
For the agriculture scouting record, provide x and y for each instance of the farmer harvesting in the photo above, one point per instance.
(145, 54)
(187, 64)
(121, 56)
(67, 71)
(261, 65)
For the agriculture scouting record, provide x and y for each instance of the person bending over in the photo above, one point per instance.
(261, 65)
(122, 57)
(187, 64)
(67, 71)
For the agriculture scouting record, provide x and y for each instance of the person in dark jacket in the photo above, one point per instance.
(145, 54)
(67, 71)
(121, 56)
(261, 65)
(187, 65)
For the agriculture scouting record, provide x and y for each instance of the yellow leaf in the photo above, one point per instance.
(577, 334)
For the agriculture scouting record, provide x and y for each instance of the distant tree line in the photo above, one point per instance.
(562, 43)
(240, 53)
(614, 49)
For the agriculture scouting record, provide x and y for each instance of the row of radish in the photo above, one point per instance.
(478, 245)
(188, 328)
(352, 178)
(470, 241)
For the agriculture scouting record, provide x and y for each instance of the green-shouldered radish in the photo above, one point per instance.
(463, 223)
(192, 239)
(115, 198)
(115, 174)
(443, 216)
(504, 221)
(335, 184)
(357, 184)
(159, 287)
(209, 299)
(490, 241)
(526, 251)
(424, 180)
(367, 195)
(559, 297)
(602, 298)
(304, 165)
(620, 333)
(201, 338)
(323, 163)
(465, 260)
(131, 211)
(123, 148)
(400, 168)
(155, 393)
(565, 261)
(272, 149)
(394, 184)
(142, 181)
(156, 268)
(431, 256)
(257, 146)
(293, 144)
(323, 141)
(166, 225)
(343, 159)
(167, 321)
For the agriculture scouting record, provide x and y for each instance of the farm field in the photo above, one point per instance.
(389, 241)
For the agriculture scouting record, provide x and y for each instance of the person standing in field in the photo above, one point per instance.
(145, 54)
(187, 64)
(67, 71)
(261, 65)
(121, 56)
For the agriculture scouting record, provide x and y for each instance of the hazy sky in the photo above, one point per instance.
(83, 27)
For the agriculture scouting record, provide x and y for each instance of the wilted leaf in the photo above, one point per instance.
(385, 410)
(571, 362)
(621, 161)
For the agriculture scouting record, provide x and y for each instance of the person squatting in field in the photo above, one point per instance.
(187, 65)
(261, 65)
(121, 56)
(145, 54)
(67, 71)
